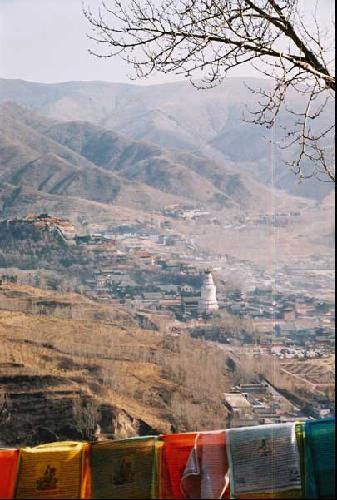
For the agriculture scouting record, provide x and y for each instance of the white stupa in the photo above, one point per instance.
(207, 302)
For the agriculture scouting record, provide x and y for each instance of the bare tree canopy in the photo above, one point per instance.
(212, 37)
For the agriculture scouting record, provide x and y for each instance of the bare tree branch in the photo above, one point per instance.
(212, 37)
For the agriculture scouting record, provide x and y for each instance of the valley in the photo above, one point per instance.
(114, 201)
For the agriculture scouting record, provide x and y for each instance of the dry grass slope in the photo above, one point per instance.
(169, 383)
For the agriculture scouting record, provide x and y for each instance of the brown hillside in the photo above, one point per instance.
(79, 159)
(128, 380)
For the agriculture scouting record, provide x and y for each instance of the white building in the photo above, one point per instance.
(208, 302)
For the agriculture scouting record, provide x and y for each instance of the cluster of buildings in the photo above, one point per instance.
(171, 287)
(258, 403)
(51, 221)
(186, 212)
(154, 272)
(153, 269)
(286, 324)
(52, 224)
(279, 219)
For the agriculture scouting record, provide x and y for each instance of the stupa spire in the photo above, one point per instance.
(208, 302)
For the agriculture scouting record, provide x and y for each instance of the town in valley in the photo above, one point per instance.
(172, 286)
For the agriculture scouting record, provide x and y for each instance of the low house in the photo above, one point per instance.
(189, 305)
(237, 403)
(152, 296)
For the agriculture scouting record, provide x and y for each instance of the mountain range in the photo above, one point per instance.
(76, 166)
(174, 121)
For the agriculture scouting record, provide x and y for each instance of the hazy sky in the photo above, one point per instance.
(45, 40)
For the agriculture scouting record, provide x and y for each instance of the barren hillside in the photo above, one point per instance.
(62, 353)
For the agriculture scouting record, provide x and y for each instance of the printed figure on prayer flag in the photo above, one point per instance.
(126, 473)
(294, 476)
(49, 480)
(265, 449)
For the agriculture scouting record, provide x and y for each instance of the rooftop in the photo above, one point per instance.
(236, 401)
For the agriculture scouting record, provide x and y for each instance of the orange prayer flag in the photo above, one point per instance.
(175, 454)
(8, 471)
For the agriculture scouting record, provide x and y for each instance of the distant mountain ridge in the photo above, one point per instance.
(173, 116)
(84, 161)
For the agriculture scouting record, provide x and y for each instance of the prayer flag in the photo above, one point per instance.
(176, 451)
(264, 462)
(126, 469)
(8, 471)
(51, 471)
(206, 472)
(320, 461)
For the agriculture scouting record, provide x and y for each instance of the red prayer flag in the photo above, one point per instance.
(176, 451)
(8, 471)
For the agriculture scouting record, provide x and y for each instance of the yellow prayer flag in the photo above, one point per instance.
(52, 471)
